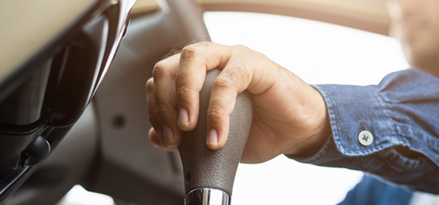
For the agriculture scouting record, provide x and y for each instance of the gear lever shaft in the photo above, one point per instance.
(209, 174)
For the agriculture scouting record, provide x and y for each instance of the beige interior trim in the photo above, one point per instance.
(145, 6)
(369, 15)
(28, 26)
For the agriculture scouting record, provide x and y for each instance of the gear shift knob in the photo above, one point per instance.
(209, 174)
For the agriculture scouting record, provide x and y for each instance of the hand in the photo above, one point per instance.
(289, 116)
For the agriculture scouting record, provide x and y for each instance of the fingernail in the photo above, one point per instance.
(169, 137)
(212, 138)
(183, 117)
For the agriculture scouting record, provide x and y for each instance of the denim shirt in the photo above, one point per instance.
(402, 115)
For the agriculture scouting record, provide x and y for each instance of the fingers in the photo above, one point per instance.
(165, 101)
(195, 61)
(153, 116)
(153, 137)
(173, 95)
(234, 79)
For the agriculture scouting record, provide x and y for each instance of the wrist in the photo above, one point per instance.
(319, 129)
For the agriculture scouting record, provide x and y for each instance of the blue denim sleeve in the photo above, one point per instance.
(402, 115)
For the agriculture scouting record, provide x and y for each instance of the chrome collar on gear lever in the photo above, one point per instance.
(207, 197)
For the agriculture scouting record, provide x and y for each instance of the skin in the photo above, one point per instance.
(298, 124)
(415, 23)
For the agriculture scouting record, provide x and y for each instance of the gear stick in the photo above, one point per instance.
(209, 174)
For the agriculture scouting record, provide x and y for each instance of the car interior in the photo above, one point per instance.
(72, 90)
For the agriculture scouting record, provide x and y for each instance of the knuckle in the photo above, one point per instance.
(150, 85)
(196, 53)
(216, 113)
(183, 91)
(161, 71)
(163, 109)
(194, 49)
(242, 49)
(203, 43)
(159, 68)
(223, 82)
(189, 51)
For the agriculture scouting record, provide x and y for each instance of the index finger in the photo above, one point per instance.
(195, 61)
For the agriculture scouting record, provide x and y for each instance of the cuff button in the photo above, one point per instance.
(365, 138)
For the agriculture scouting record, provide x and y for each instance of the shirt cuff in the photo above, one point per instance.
(353, 110)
